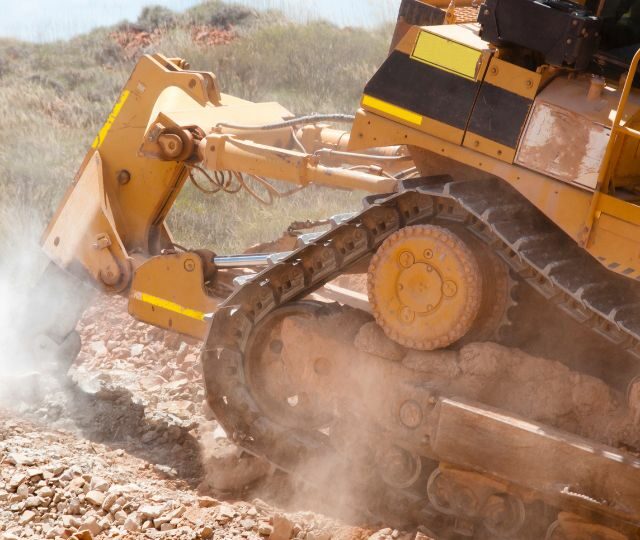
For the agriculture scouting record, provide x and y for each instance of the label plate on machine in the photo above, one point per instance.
(431, 80)
(448, 55)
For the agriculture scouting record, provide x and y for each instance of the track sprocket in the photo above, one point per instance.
(425, 287)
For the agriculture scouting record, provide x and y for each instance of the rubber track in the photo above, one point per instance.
(531, 244)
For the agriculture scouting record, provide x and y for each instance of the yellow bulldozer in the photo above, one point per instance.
(499, 147)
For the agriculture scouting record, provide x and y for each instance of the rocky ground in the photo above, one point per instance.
(127, 451)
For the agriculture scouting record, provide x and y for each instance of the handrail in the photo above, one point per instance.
(604, 177)
(629, 131)
(603, 180)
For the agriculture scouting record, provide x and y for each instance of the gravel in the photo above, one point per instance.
(129, 452)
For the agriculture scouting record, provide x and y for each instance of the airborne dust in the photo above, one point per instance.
(20, 268)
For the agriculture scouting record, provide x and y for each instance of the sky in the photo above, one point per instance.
(47, 20)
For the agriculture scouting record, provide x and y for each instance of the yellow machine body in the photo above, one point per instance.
(545, 133)
(563, 149)
(554, 143)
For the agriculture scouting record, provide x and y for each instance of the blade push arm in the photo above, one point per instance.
(110, 228)
(225, 152)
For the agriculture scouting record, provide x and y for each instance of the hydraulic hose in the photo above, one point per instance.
(293, 122)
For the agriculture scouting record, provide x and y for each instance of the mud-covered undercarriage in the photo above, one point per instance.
(478, 439)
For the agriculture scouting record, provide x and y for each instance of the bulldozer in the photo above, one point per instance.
(498, 146)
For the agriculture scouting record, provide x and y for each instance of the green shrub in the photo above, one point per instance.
(218, 14)
(157, 17)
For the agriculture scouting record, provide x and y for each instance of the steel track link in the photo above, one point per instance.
(530, 244)
(551, 261)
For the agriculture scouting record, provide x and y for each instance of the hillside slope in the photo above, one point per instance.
(55, 96)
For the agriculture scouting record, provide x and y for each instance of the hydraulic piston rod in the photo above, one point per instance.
(249, 261)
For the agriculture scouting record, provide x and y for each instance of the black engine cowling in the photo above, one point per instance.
(565, 33)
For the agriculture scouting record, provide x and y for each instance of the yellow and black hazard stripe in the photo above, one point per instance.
(436, 100)
(439, 86)
(429, 81)
(501, 110)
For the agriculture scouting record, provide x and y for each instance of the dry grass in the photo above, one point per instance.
(54, 97)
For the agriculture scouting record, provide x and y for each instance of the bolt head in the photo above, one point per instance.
(411, 414)
(449, 288)
(407, 315)
(406, 259)
(123, 177)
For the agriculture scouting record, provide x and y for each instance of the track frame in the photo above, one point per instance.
(530, 244)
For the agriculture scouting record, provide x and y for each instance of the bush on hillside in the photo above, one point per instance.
(217, 14)
(308, 68)
(54, 97)
(157, 17)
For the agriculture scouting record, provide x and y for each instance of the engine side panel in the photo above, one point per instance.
(431, 80)
(564, 145)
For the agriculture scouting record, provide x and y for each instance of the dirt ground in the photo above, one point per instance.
(127, 451)
(126, 448)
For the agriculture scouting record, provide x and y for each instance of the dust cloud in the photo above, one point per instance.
(35, 312)
(364, 376)
(20, 265)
